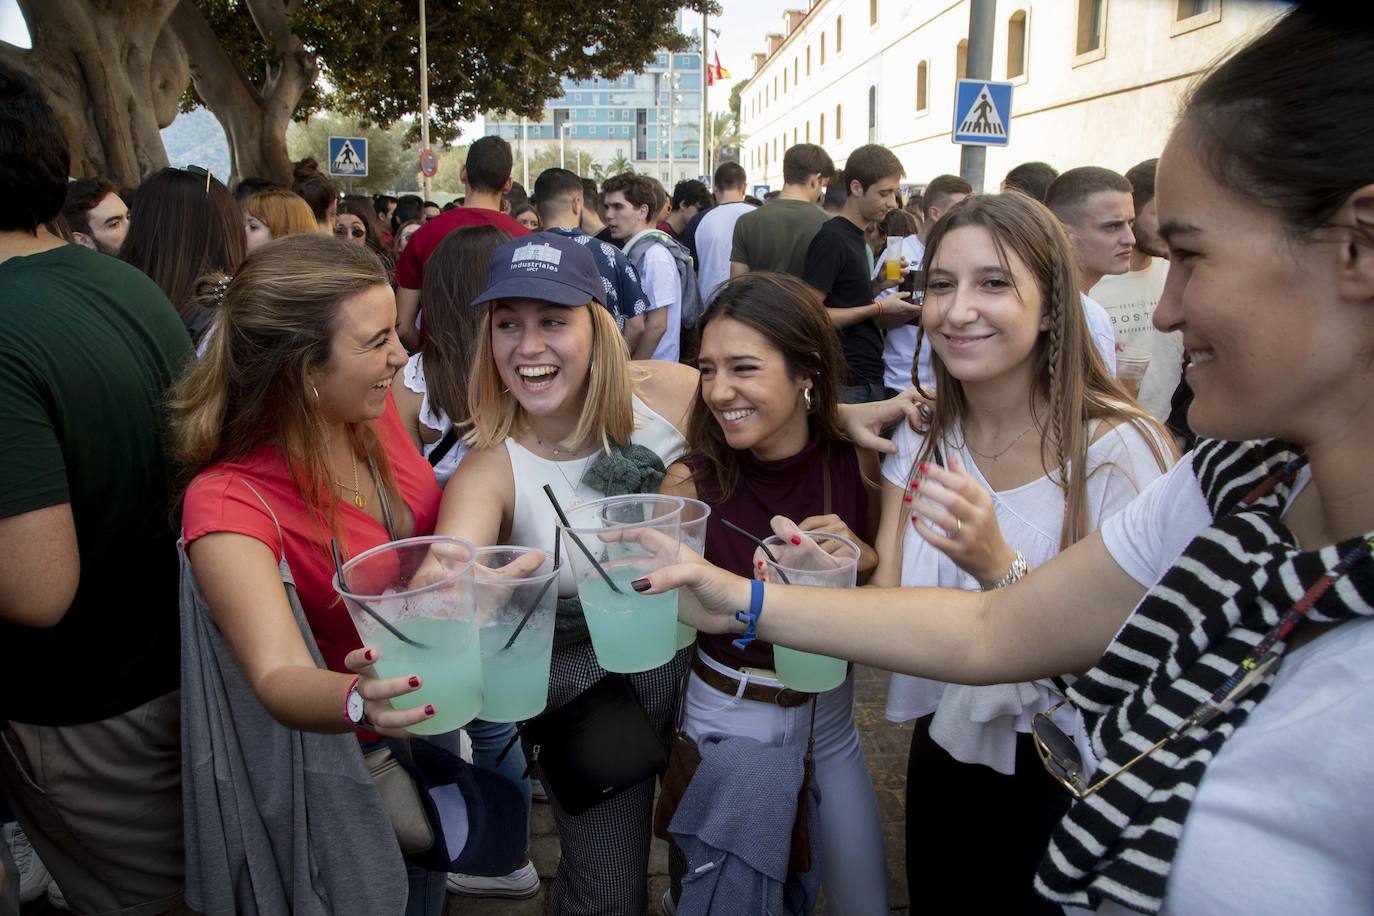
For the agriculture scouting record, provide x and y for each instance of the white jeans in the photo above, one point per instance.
(853, 862)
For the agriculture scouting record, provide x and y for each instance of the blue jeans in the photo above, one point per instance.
(427, 891)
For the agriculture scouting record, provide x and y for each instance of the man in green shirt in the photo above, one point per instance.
(775, 236)
(89, 705)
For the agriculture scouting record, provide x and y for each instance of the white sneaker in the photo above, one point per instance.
(669, 907)
(33, 874)
(55, 898)
(519, 884)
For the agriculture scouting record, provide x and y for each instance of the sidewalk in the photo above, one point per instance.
(885, 746)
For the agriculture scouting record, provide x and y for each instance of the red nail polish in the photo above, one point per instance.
(922, 468)
(913, 521)
(906, 499)
(796, 539)
(414, 681)
(760, 564)
(429, 709)
(369, 655)
(915, 485)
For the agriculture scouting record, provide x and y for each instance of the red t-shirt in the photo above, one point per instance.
(218, 500)
(410, 268)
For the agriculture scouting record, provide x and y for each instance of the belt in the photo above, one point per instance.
(785, 697)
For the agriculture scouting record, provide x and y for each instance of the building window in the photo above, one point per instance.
(775, 88)
(1090, 19)
(794, 71)
(1016, 45)
(822, 49)
(1194, 14)
(821, 138)
(1187, 9)
(838, 126)
(808, 60)
(872, 12)
(808, 131)
(794, 136)
(839, 34)
(922, 85)
(872, 114)
(784, 79)
(961, 60)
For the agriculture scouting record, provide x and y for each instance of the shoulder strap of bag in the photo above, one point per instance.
(383, 500)
(443, 447)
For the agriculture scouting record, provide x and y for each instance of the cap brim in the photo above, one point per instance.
(539, 288)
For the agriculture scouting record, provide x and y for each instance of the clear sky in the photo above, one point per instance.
(742, 25)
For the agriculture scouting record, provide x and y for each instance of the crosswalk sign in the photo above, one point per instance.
(982, 113)
(348, 157)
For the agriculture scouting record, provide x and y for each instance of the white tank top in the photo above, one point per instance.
(533, 522)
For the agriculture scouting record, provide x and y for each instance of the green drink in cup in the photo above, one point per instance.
(825, 560)
(630, 632)
(694, 516)
(414, 600)
(515, 611)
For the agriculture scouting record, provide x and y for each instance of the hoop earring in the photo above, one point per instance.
(317, 393)
(806, 395)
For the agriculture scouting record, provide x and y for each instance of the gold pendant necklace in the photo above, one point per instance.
(359, 499)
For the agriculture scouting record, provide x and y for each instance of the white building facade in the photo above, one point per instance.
(1097, 82)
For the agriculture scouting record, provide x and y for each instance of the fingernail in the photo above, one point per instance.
(369, 655)
(641, 585)
(429, 709)
(796, 539)
(760, 564)
(414, 681)
(907, 499)
(913, 521)
(922, 468)
(915, 485)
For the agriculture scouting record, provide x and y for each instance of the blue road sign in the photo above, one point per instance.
(348, 157)
(982, 113)
(760, 190)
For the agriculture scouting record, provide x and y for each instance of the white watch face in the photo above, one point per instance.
(355, 706)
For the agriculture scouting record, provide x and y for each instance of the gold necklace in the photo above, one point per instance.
(359, 499)
(1003, 451)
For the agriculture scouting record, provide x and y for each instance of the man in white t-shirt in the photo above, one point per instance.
(1130, 298)
(899, 347)
(631, 202)
(1094, 206)
(716, 231)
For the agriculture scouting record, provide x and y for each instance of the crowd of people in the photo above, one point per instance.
(1124, 595)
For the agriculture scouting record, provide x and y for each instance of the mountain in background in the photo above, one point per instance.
(195, 138)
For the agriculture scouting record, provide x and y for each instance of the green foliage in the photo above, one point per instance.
(735, 102)
(483, 55)
(393, 163)
(618, 166)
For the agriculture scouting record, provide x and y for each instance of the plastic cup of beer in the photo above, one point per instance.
(1131, 365)
(694, 516)
(423, 589)
(606, 550)
(515, 611)
(893, 265)
(824, 560)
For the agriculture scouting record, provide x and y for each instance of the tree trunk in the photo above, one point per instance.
(255, 120)
(111, 78)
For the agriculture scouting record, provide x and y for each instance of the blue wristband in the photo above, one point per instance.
(751, 617)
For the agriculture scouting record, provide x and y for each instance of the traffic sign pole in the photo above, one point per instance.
(982, 23)
(424, 96)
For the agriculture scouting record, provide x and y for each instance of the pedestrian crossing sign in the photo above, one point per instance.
(348, 157)
(982, 113)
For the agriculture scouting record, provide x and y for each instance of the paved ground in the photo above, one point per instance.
(885, 745)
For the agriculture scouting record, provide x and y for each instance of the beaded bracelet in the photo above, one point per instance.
(751, 617)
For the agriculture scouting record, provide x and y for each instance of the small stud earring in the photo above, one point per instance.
(806, 394)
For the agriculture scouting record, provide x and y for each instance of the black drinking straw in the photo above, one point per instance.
(761, 545)
(548, 491)
(338, 569)
(557, 551)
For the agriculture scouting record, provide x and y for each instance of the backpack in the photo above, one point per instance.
(692, 306)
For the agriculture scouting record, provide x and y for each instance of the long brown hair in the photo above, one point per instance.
(1069, 373)
(276, 323)
(455, 274)
(787, 314)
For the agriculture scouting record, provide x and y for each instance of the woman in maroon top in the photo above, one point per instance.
(765, 442)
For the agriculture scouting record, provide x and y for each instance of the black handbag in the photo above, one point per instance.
(595, 746)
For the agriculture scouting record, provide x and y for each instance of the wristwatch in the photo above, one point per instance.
(353, 706)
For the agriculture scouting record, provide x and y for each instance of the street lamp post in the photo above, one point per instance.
(424, 95)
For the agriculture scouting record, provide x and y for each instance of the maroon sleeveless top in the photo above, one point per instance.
(794, 487)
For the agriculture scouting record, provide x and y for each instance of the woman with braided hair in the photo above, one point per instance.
(1031, 445)
(1224, 619)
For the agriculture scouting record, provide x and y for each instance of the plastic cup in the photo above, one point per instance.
(893, 265)
(694, 516)
(515, 675)
(422, 587)
(825, 560)
(630, 632)
(1131, 365)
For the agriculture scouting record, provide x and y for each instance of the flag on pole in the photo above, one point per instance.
(716, 71)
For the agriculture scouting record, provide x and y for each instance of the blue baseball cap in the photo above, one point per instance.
(544, 266)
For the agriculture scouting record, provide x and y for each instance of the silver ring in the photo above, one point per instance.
(958, 526)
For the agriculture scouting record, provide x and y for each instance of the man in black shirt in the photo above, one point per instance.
(839, 265)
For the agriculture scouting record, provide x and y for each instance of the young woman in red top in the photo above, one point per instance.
(288, 420)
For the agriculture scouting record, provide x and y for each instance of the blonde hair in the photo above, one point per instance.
(1069, 373)
(607, 409)
(283, 213)
(275, 324)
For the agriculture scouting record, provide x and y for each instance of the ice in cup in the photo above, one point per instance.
(694, 516)
(423, 588)
(630, 632)
(519, 604)
(893, 265)
(825, 560)
(1131, 365)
